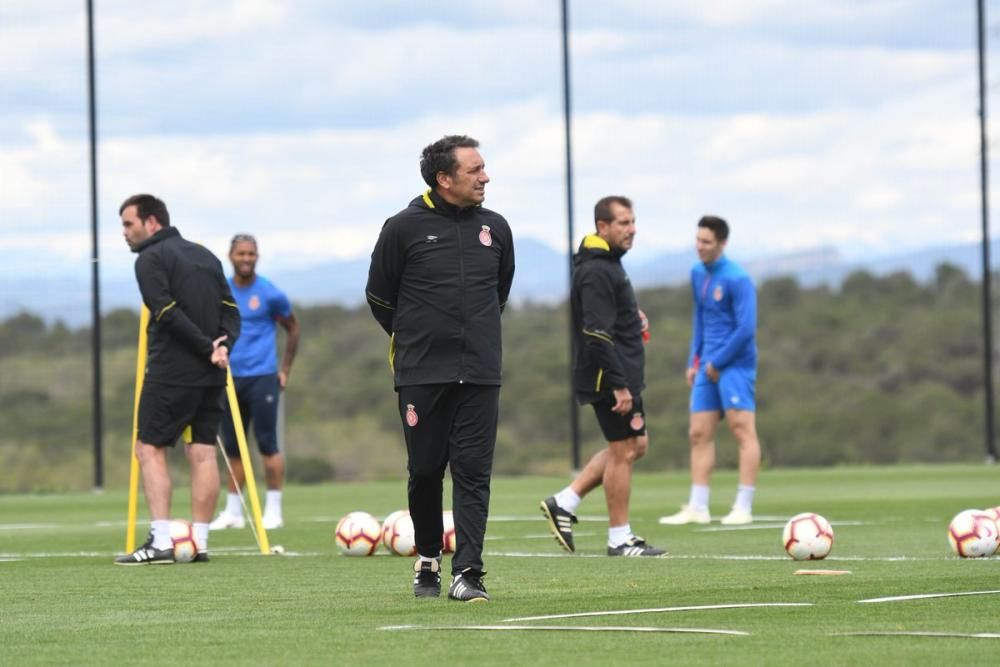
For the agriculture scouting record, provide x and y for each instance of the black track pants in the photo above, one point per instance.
(452, 424)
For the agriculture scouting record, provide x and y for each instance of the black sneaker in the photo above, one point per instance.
(427, 578)
(467, 586)
(560, 523)
(635, 546)
(147, 555)
(201, 557)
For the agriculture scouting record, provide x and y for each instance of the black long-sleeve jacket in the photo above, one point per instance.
(606, 324)
(438, 281)
(190, 305)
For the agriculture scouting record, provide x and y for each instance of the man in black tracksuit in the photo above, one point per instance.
(439, 278)
(608, 373)
(194, 322)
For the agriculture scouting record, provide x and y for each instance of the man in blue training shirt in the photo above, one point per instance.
(722, 374)
(258, 380)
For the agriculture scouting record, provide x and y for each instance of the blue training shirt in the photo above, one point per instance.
(725, 316)
(255, 352)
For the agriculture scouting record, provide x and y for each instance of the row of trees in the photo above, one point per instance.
(882, 370)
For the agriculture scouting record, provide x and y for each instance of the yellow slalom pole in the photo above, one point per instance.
(241, 440)
(133, 476)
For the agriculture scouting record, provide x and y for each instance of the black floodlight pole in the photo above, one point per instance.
(991, 450)
(95, 298)
(574, 410)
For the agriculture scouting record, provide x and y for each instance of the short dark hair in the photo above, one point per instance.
(440, 156)
(242, 238)
(602, 209)
(718, 226)
(147, 205)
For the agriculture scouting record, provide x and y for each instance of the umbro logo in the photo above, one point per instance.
(430, 238)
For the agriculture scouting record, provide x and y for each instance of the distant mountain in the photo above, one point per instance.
(542, 276)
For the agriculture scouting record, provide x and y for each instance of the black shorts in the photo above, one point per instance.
(620, 427)
(165, 410)
(257, 396)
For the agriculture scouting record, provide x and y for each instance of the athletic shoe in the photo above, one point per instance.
(427, 578)
(685, 516)
(560, 523)
(272, 521)
(737, 517)
(635, 546)
(226, 520)
(201, 557)
(147, 555)
(467, 586)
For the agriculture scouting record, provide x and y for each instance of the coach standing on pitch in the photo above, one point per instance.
(439, 278)
(193, 324)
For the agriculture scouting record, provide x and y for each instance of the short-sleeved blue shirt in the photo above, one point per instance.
(255, 352)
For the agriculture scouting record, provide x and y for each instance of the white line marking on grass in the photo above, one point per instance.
(771, 526)
(66, 554)
(565, 628)
(505, 518)
(927, 596)
(28, 526)
(723, 557)
(960, 635)
(622, 612)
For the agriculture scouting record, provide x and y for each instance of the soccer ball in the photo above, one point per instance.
(358, 534)
(807, 536)
(448, 536)
(973, 534)
(182, 535)
(994, 512)
(397, 534)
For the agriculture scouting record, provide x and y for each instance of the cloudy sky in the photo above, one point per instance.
(806, 123)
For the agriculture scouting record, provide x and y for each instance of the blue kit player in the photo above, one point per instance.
(722, 374)
(258, 380)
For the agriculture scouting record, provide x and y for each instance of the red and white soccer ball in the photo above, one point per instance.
(448, 535)
(994, 513)
(398, 535)
(973, 534)
(807, 536)
(182, 535)
(358, 534)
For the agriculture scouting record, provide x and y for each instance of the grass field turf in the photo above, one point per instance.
(63, 602)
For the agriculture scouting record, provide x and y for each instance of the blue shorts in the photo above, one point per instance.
(257, 396)
(734, 391)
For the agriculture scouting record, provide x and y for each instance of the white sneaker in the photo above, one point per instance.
(685, 516)
(226, 520)
(272, 521)
(737, 517)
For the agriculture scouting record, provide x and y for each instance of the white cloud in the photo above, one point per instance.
(275, 118)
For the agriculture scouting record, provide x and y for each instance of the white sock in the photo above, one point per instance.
(161, 534)
(618, 535)
(201, 537)
(699, 498)
(427, 559)
(273, 503)
(233, 506)
(568, 500)
(744, 498)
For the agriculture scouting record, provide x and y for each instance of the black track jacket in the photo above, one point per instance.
(438, 280)
(190, 305)
(606, 325)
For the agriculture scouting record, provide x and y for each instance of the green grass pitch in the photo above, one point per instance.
(63, 602)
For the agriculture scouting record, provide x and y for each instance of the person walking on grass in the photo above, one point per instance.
(608, 374)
